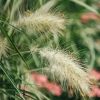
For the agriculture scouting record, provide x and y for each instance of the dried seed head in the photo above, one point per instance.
(42, 21)
(3, 47)
(65, 70)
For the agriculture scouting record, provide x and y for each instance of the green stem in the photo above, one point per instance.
(10, 80)
(5, 22)
(15, 48)
(81, 3)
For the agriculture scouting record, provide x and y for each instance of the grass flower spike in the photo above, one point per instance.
(42, 21)
(3, 47)
(66, 71)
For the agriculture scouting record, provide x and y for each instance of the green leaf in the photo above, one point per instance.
(85, 6)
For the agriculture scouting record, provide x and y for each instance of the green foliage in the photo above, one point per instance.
(80, 39)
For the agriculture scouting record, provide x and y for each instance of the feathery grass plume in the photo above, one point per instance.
(3, 47)
(42, 22)
(38, 22)
(65, 70)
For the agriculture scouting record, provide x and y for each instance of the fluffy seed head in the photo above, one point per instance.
(65, 70)
(42, 20)
(3, 47)
(42, 23)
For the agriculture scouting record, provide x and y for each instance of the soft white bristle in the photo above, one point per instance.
(3, 47)
(42, 20)
(65, 70)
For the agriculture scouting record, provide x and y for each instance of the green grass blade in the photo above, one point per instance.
(1, 67)
(85, 5)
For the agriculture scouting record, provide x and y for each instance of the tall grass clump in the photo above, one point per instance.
(37, 40)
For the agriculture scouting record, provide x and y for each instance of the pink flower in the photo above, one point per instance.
(89, 16)
(95, 74)
(39, 79)
(43, 82)
(53, 88)
(95, 92)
